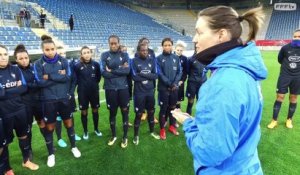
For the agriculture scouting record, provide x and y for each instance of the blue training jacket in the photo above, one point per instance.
(225, 132)
(117, 78)
(169, 71)
(56, 87)
(10, 98)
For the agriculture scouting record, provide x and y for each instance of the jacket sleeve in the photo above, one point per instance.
(73, 78)
(153, 75)
(98, 73)
(161, 75)
(178, 74)
(121, 71)
(18, 90)
(38, 73)
(32, 85)
(184, 70)
(188, 66)
(281, 55)
(59, 77)
(135, 75)
(104, 73)
(2, 91)
(213, 135)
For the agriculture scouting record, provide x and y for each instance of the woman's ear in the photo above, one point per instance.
(224, 35)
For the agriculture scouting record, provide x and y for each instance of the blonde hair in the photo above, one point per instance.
(180, 44)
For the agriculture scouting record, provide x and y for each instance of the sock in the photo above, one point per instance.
(162, 116)
(49, 141)
(73, 120)
(24, 146)
(42, 130)
(162, 121)
(125, 122)
(137, 122)
(292, 109)
(112, 121)
(96, 120)
(167, 115)
(151, 121)
(5, 159)
(29, 136)
(71, 135)
(172, 120)
(189, 108)
(276, 109)
(58, 129)
(2, 164)
(84, 121)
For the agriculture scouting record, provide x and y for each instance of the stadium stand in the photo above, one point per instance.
(111, 19)
(11, 36)
(96, 20)
(283, 23)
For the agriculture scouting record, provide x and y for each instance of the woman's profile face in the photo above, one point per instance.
(205, 37)
(3, 57)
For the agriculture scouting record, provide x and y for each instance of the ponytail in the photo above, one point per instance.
(255, 18)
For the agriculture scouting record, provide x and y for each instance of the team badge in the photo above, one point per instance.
(293, 65)
(13, 75)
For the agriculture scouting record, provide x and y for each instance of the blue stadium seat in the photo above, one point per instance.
(111, 19)
(282, 24)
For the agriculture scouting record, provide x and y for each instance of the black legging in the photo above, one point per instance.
(112, 120)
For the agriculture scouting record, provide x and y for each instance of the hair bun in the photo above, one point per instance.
(20, 47)
(46, 37)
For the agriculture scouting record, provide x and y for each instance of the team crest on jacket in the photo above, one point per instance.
(13, 75)
(149, 65)
(108, 58)
(93, 67)
(293, 65)
(121, 58)
(174, 60)
(82, 68)
(163, 60)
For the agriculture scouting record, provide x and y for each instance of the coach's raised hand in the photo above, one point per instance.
(180, 116)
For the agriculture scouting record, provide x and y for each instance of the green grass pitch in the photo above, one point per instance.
(278, 149)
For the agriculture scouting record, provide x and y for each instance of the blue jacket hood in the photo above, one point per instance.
(247, 58)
